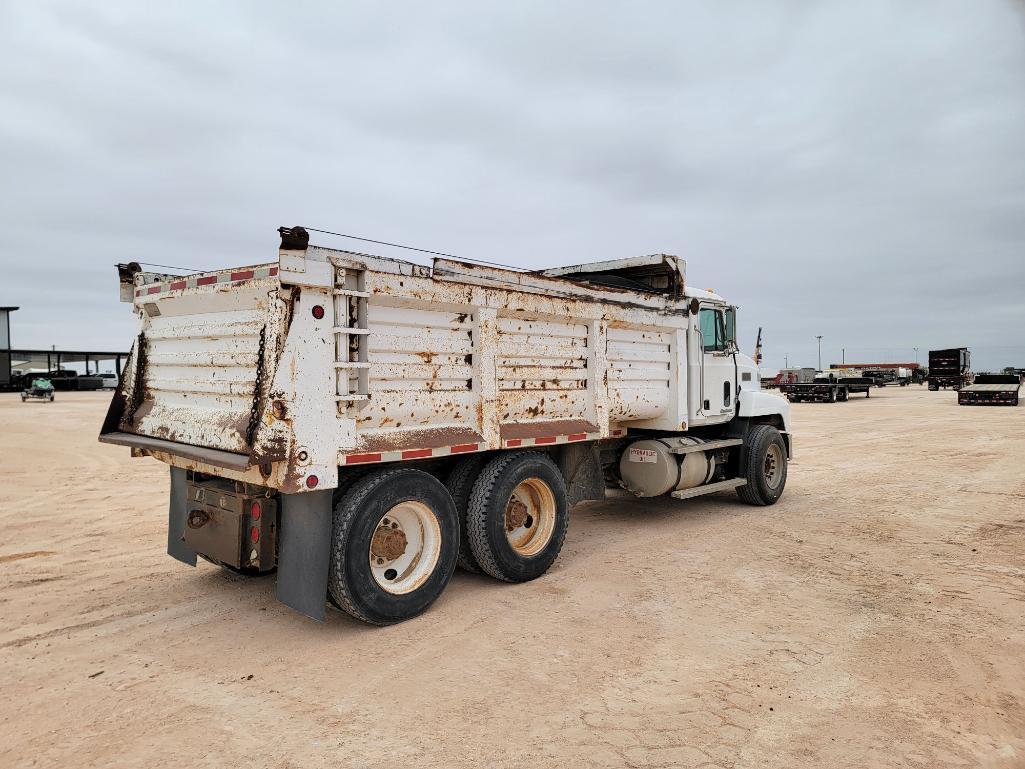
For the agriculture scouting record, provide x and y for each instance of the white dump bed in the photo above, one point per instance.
(282, 372)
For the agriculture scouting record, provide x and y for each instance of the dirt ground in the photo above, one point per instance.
(872, 618)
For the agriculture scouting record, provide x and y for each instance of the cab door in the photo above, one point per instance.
(718, 378)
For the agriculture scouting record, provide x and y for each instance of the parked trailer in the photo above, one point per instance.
(949, 368)
(900, 373)
(826, 390)
(991, 390)
(887, 376)
(362, 424)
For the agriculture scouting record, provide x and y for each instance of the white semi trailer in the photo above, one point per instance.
(361, 424)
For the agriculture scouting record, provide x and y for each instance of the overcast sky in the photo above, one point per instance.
(850, 169)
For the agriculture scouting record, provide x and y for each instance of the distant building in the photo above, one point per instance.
(15, 363)
(875, 365)
(5, 346)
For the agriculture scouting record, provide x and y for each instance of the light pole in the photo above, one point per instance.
(916, 356)
(819, 337)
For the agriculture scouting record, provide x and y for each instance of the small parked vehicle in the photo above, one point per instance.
(40, 389)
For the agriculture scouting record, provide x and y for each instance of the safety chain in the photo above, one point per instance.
(254, 411)
(138, 384)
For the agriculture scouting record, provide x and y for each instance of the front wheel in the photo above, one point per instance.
(765, 457)
(394, 543)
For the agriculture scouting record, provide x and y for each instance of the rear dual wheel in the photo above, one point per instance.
(460, 485)
(517, 516)
(397, 533)
(394, 543)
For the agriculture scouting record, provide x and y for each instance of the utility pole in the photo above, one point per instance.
(819, 337)
(786, 362)
(916, 356)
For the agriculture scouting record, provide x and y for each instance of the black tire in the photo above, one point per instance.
(832, 395)
(351, 583)
(844, 394)
(757, 490)
(486, 516)
(348, 478)
(460, 484)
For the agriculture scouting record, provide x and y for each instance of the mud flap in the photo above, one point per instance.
(176, 518)
(304, 552)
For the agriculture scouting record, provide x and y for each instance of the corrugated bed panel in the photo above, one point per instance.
(200, 371)
(639, 373)
(541, 355)
(421, 350)
(421, 361)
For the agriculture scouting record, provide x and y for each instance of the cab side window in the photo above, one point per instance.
(713, 332)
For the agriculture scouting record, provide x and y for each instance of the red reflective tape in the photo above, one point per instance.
(463, 448)
(244, 275)
(355, 459)
(139, 292)
(206, 281)
(417, 453)
(153, 290)
(513, 442)
(577, 437)
(545, 439)
(177, 284)
(273, 271)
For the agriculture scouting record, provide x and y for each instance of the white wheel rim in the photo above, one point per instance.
(405, 547)
(530, 517)
(773, 468)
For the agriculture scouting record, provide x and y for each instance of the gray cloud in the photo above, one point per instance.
(850, 169)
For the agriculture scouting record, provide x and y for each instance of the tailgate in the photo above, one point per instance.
(204, 358)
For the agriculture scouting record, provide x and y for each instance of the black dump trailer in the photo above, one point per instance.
(950, 368)
(991, 390)
(826, 390)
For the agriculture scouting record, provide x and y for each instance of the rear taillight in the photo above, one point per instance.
(254, 534)
(255, 512)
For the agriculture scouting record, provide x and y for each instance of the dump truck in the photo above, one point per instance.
(991, 390)
(949, 368)
(363, 424)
